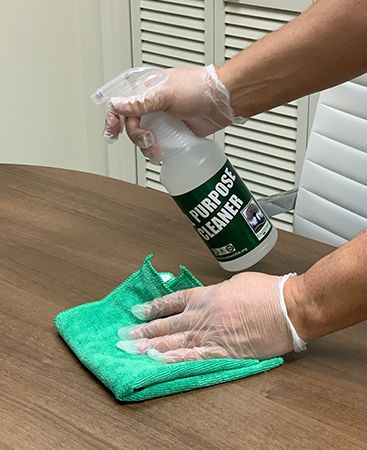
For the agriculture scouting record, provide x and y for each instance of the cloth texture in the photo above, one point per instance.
(90, 330)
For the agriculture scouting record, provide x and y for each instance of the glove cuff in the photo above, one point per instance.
(222, 97)
(299, 344)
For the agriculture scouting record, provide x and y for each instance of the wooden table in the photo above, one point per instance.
(67, 238)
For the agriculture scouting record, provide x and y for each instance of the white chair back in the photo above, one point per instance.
(332, 198)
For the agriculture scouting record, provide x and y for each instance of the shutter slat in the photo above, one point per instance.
(152, 175)
(231, 53)
(154, 185)
(281, 185)
(278, 119)
(178, 9)
(269, 159)
(260, 147)
(233, 43)
(194, 3)
(262, 169)
(155, 64)
(259, 190)
(269, 128)
(259, 136)
(152, 167)
(287, 110)
(267, 13)
(253, 22)
(172, 52)
(186, 22)
(174, 42)
(243, 32)
(164, 61)
(171, 30)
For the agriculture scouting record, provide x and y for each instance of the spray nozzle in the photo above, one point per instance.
(131, 84)
(134, 85)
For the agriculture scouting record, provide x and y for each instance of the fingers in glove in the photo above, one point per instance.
(162, 344)
(159, 327)
(139, 136)
(114, 125)
(144, 139)
(156, 101)
(188, 354)
(165, 306)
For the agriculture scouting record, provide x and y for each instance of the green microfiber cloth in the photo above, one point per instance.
(90, 330)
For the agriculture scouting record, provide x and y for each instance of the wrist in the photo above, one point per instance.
(227, 76)
(302, 310)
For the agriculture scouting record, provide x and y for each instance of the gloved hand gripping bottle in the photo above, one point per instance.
(201, 180)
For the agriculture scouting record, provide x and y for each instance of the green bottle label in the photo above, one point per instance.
(225, 214)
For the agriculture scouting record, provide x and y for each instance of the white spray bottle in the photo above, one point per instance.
(201, 180)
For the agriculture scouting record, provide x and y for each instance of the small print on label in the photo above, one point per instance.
(225, 250)
(256, 219)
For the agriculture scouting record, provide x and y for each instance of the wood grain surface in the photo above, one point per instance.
(69, 237)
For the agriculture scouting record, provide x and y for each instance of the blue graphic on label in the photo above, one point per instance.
(256, 219)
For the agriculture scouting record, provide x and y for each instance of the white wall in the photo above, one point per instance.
(51, 61)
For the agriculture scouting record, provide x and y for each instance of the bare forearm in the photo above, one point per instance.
(323, 47)
(332, 294)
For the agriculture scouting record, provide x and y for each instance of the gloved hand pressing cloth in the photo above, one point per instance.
(91, 331)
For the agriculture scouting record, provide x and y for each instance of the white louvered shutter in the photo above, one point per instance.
(169, 33)
(264, 149)
(175, 33)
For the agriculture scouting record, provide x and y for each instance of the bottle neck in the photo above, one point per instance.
(171, 134)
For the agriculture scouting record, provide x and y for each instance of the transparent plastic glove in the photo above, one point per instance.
(244, 317)
(195, 95)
